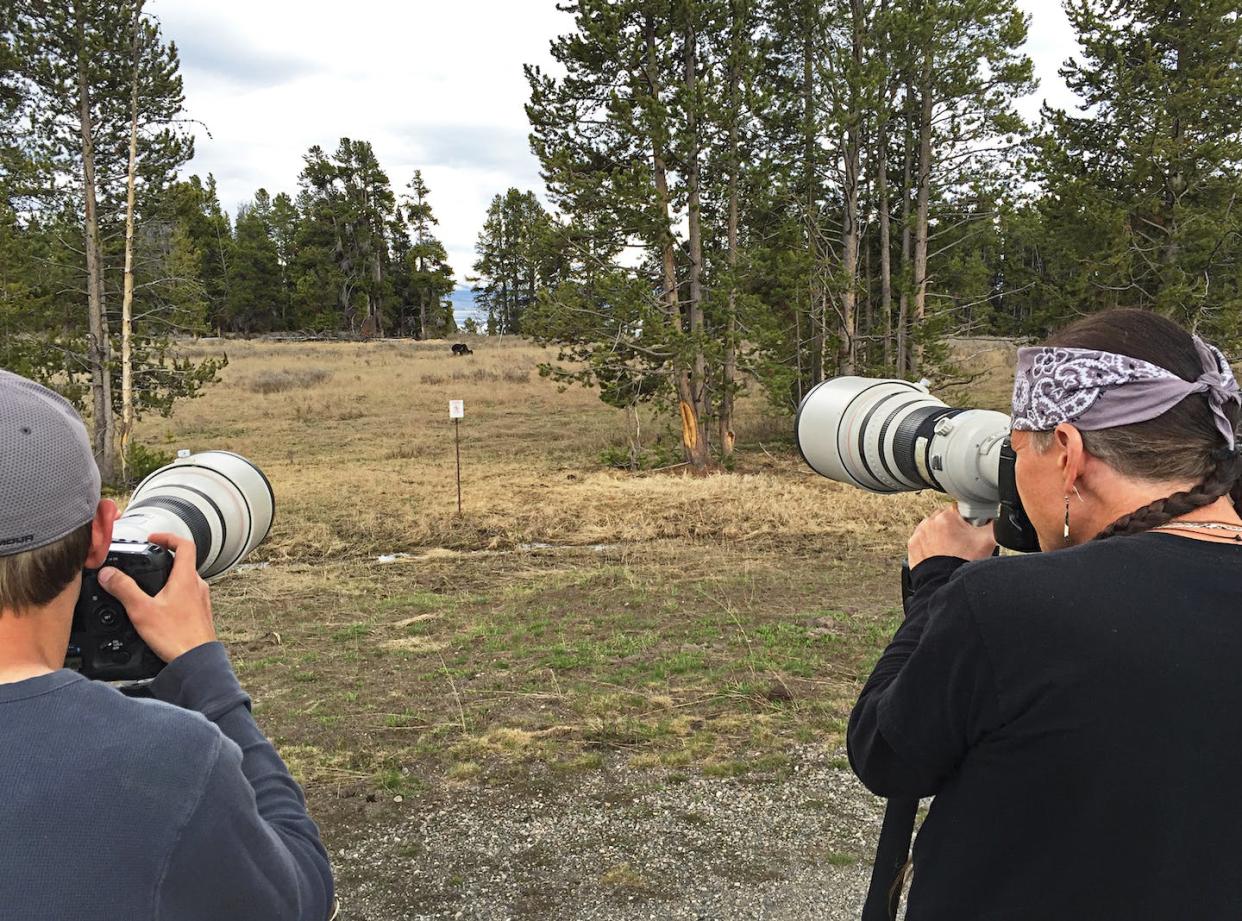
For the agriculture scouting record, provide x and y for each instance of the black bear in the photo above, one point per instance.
(460, 348)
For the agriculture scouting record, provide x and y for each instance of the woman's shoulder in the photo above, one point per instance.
(1008, 584)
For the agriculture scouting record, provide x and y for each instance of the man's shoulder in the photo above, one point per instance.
(144, 724)
(86, 748)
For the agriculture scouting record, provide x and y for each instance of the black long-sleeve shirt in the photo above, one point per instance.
(1078, 717)
(115, 809)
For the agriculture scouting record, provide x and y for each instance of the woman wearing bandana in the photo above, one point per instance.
(1077, 713)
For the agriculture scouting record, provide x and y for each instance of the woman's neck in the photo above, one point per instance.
(1221, 510)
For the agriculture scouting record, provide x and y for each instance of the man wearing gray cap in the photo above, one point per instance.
(116, 809)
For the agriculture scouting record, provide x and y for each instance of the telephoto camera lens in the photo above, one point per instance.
(889, 436)
(220, 500)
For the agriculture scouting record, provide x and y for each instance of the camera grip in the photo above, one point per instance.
(103, 643)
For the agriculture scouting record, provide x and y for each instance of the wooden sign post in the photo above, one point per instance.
(457, 412)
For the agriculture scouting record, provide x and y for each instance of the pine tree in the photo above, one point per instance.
(430, 276)
(965, 68)
(1142, 189)
(348, 212)
(255, 291)
(283, 226)
(620, 138)
(194, 207)
(512, 264)
(79, 64)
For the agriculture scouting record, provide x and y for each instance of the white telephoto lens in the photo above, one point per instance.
(220, 500)
(889, 436)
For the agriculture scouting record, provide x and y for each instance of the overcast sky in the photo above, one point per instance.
(433, 85)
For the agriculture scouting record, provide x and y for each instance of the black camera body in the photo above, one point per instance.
(103, 643)
(1013, 527)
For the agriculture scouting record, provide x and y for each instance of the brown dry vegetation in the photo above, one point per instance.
(576, 628)
(690, 623)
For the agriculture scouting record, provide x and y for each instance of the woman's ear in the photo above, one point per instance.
(101, 533)
(1071, 454)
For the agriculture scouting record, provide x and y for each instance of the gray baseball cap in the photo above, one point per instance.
(49, 484)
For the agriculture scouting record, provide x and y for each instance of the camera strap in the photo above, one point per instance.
(891, 855)
(896, 833)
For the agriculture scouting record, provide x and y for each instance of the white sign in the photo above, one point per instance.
(457, 409)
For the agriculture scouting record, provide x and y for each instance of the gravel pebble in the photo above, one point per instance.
(615, 844)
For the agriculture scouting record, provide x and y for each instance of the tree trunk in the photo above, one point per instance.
(886, 255)
(374, 306)
(866, 319)
(810, 141)
(921, 230)
(99, 352)
(694, 307)
(694, 447)
(907, 179)
(1175, 185)
(729, 368)
(127, 297)
(343, 298)
(847, 350)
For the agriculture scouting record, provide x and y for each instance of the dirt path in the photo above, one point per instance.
(614, 843)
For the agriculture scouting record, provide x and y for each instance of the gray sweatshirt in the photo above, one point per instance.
(173, 809)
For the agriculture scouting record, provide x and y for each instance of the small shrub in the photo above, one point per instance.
(267, 382)
(478, 376)
(653, 457)
(140, 462)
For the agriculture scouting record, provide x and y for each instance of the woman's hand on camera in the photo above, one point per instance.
(947, 533)
(176, 620)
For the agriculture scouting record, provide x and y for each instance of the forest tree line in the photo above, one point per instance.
(743, 194)
(773, 192)
(108, 256)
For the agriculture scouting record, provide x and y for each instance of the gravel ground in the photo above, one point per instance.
(613, 844)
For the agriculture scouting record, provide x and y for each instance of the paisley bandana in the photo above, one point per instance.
(1102, 390)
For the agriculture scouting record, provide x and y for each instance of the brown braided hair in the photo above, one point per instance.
(1182, 444)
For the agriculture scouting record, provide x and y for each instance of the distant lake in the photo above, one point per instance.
(464, 307)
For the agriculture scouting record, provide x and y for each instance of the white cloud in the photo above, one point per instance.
(1050, 42)
(433, 85)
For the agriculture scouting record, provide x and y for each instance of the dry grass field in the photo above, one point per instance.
(573, 618)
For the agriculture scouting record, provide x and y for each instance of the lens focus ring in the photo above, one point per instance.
(194, 519)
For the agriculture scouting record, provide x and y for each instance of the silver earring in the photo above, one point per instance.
(1067, 517)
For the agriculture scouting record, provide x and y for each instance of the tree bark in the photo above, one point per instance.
(694, 279)
(375, 304)
(886, 255)
(809, 142)
(921, 230)
(907, 179)
(127, 296)
(1175, 185)
(729, 364)
(695, 448)
(99, 351)
(847, 350)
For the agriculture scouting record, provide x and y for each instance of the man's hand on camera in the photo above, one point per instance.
(947, 533)
(176, 620)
